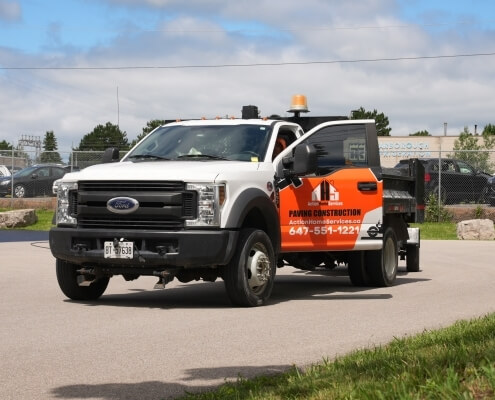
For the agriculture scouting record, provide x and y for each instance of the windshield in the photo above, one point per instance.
(206, 142)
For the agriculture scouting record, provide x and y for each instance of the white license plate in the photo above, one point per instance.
(123, 250)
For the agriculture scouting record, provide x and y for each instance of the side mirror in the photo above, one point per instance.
(34, 176)
(303, 162)
(110, 155)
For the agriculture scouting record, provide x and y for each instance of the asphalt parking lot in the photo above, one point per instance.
(140, 343)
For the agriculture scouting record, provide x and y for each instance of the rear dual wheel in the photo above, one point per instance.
(382, 264)
(375, 267)
(412, 258)
(357, 269)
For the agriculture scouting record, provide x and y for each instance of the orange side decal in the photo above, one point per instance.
(328, 212)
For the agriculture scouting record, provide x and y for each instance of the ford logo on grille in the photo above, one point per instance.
(122, 205)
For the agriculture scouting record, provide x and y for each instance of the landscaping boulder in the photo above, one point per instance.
(476, 229)
(17, 218)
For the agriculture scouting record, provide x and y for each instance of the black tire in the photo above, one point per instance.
(19, 191)
(250, 274)
(443, 195)
(412, 258)
(67, 280)
(483, 198)
(357, 269)
(382, 264)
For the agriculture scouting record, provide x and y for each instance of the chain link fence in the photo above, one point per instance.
(15, 160)
(453, 177)
(455, 180)
(34, 173)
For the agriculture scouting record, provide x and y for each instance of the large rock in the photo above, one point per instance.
(476, 229)
(17, 218)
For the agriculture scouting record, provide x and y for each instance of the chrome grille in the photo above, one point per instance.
(162, 205)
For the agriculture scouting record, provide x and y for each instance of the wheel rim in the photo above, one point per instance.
(258, 267)
(389, 257)
(19, 191)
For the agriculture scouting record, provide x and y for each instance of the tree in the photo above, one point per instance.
(489, 136)
(50, 147)
(420, 133)
(5, 145)
(18, 151)
(102, 137)
(382, 123)
(489, 130)
(150, 125)
(468, 148)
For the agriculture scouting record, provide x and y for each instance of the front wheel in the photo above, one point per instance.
(68, 282)
(382, 264)
(250, 274)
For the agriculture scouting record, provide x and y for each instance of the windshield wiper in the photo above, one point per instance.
(148, 157)
(207, 156)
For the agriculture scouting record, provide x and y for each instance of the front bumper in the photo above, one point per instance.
(189, 249)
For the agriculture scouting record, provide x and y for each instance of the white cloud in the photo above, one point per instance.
(10, 11)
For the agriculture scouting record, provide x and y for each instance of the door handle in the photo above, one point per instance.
(367, 186)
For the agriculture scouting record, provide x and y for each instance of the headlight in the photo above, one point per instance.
(55, 186)
(5, 183)
(63, 203)
(210, 200)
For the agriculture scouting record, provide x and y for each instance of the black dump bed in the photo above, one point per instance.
(404, 191)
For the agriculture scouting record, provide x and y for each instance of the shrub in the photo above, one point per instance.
(435, 211)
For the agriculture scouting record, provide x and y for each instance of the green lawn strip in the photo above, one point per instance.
(437, 230)
(457, 362)
(44, 222)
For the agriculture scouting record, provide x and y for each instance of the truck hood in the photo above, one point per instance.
(188, 171)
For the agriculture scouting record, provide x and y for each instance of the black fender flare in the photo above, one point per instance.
(255, 199)
(398, 224)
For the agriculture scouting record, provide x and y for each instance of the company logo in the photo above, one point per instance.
(325, 191)
(122, 205)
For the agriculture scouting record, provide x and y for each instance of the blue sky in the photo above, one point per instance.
(414, 94)
(479, 12)
(44, 26)
(38, 26)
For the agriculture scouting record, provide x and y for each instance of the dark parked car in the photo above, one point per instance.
(36, 180)
(491, 191)
(459, 181)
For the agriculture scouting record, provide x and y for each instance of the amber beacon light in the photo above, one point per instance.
(298, 104)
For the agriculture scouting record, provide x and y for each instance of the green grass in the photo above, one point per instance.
(457, 362)
(437, 230)
(44, 220)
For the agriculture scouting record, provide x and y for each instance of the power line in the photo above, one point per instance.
(355, 61)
